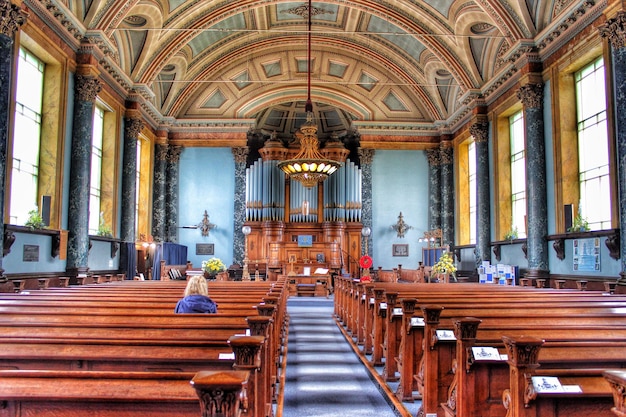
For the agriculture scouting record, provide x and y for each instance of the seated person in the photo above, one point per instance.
(196, 298)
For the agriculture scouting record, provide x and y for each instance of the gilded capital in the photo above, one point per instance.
(240, 154)
(11, 18)
(531, 95)
(366, 155)
(132, 127)
(87, 88)
(613, 29)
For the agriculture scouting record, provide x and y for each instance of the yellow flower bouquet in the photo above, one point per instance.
(445, 265)
(213, 266)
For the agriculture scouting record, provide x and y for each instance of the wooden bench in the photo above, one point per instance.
(183, 344)
(348, 296)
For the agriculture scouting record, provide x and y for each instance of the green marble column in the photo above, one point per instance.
(434, 188)
(132, 128)
(239, 204)
(480, 133)
(615, 30)
(531, 96)
(158, 193)
(171, 193)
(366, 157)
(447, 196)
(86, 89)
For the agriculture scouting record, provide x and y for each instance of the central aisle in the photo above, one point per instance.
(324, 377)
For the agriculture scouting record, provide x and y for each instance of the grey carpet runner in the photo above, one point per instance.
(324, 377)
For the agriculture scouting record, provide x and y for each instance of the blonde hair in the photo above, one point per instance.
(196, 285)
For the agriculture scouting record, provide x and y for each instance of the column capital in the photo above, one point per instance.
(240, 154)
(366, 155)
(531, 95)
(433, 156)
(87, 88)
(160, 153)
(480, 130)
(613, 29)
(447, 155)
(173, 154)
(132, 127)
(11, 18)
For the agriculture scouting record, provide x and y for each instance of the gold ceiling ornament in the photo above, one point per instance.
(309, 166)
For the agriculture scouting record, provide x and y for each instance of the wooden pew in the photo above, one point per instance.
(152, 353)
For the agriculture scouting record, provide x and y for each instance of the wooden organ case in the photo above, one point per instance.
(296, 227)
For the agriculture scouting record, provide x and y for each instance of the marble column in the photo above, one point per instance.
(132, 128)
(447, 195)
(366, 157)
(531, 96)
(171, 193)
(87, 88)
(239, 204)
(159, 217)
(480, 132)
(11, 18)
(434, 188)
(615, 30)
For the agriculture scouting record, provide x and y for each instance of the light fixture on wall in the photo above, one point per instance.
(432, 237)
(205, 225)
(401, 227)
(309, 166)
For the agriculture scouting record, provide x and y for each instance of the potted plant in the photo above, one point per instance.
(35, 221)
(511, 235)
(580, 223)
(103, 229)
(212, 267)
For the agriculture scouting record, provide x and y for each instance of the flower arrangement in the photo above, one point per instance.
(511, 234)
(213, 266)
(103, 229)
(445, 265)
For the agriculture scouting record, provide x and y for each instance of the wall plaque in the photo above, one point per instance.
(31, 253)
(205, 248)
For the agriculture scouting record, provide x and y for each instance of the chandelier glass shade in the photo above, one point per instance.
(309, 166)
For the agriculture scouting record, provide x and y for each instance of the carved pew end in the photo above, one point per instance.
(18, 285)
(221, 393)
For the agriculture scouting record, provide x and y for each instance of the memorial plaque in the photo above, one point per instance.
(31, 253)
(205, 248)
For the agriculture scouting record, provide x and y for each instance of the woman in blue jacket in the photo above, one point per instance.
(196, 299)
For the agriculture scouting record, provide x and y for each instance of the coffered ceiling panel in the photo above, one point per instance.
(398, 65)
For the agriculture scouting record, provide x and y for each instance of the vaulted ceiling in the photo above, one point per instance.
(394, 68)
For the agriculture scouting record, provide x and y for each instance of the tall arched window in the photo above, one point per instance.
(593, 146)
(27, 136)
(518, 173)
(95, 188)
(471, 165)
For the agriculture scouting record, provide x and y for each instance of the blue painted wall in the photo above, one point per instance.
(399, 184)
(207, 182)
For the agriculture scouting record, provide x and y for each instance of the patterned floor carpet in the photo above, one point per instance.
(324, 377)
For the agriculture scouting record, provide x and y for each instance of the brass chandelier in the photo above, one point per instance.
(309, 166)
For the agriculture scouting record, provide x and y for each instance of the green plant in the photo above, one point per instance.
(580, 223)
(103, 229)
(213, 266)
(511, 234)
(35, 221)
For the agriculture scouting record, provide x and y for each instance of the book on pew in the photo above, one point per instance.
(321, 271)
